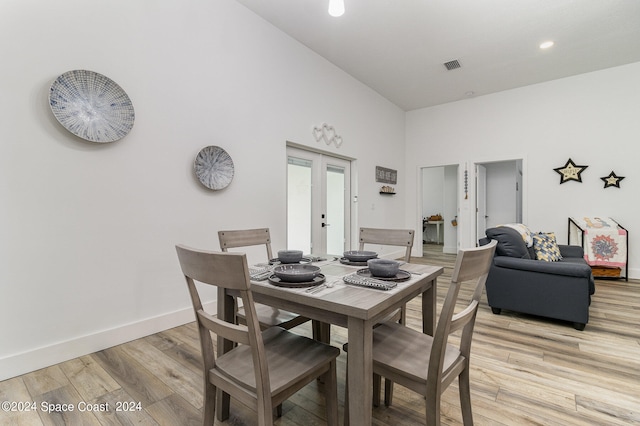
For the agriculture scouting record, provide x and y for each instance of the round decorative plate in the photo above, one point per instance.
(360, 256)
(346, 261)
(91, 106)
(214, 167)
(276, 261)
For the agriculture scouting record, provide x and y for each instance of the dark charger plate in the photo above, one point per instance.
(402, 275)
(319, 279)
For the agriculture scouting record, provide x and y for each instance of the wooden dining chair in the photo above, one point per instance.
(428, 365)
(265, 367)
(390, 237)
(268, 316)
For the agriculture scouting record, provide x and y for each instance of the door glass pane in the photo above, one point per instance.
(335, 209)
(299, 204)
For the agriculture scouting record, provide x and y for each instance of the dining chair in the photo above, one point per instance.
(390, 237)
(268, 316)
(265, 367)
(428, 365)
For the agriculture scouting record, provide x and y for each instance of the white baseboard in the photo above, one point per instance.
(450, 250)
(634, 273)
(26, 362)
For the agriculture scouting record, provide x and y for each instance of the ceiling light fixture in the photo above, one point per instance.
(546, 44)
(336, 8)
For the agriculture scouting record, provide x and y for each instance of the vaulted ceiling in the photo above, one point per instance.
(399, 47)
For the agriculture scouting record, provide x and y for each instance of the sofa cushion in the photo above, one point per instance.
(546, 247)
(510, 242)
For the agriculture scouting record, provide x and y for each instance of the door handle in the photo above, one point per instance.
(326, 224)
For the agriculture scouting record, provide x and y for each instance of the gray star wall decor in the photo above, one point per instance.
(612, 180)
(570, 171)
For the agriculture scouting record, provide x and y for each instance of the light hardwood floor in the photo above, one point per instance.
(524, 371)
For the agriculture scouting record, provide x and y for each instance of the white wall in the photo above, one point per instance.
(590, 118)
(88, 230)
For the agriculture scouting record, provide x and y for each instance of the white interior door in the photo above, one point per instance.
(318, 209)
(481, 201)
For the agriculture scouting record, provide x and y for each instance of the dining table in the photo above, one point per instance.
(356, 308)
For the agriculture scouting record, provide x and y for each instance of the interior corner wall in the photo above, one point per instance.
(591, 118)
(87, 256)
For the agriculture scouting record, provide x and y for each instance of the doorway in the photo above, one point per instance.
(440, 198)
(498, 194)
(318, 208)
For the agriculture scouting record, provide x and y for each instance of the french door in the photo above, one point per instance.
(318, 209)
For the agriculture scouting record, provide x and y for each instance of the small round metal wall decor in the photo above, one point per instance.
(214, 168)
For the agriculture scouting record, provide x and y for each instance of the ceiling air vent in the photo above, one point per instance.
(452, 65)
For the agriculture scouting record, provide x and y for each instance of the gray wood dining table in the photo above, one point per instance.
(356, 308)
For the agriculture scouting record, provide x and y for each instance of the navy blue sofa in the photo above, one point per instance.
(518, 282)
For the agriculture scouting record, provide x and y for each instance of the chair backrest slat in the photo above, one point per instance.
(228, 270)
(246, 238)
(229, 331)
(463, 317)
(389, 237)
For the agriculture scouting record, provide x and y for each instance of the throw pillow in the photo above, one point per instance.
(510, 242)
(527, 235)
(546, 247)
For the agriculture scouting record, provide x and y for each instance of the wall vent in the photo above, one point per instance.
(452, 65)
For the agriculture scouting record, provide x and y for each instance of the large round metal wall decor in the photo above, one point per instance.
(214, 167)
(91, 106)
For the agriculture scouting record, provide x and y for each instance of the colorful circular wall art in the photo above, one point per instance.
(214, 167)
(91, 106)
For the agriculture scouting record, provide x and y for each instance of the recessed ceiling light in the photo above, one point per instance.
(336, 8)
(546, 44)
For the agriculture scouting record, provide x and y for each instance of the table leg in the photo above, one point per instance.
(226, 312)
(429, 308)
(360, 371)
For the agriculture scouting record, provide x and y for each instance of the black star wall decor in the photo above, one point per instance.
(612, 180)
(570, 171)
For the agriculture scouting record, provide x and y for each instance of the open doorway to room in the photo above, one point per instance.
(498, 194)
(439, 209)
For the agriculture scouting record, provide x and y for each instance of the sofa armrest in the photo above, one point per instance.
(571, 251)
(570, 269)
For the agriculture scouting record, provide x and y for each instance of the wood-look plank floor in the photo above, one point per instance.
(524, 371)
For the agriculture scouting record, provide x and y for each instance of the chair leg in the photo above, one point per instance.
(265, 411)
(465, 397)
(377, 384)
(346, 399)
(209, 403)
(331, 395)
(432, 405)
(388, 392)
(321, 331)
(223, 401)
